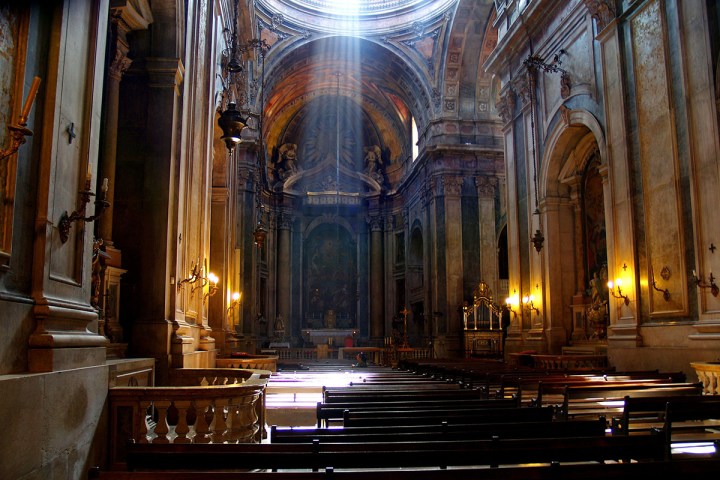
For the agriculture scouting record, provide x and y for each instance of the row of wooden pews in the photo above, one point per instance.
(439, 424)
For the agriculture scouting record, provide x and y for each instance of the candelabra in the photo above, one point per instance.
(100, 206)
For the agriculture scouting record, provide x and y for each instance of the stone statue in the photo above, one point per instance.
(286, 163)
(373, 160)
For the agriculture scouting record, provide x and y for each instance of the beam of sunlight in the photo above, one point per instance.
(345, 7)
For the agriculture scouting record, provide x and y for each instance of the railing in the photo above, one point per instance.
(570, 362)
(261, 362)
(709, 374)
(297, 353)
(203, 406)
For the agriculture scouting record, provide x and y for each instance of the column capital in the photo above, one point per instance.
(284, 220)
(602, 11)
(451, 185)
(506, 105)
(119, 65)
(375, 222)
(486, 186)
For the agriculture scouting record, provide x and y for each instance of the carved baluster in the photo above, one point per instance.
(182, 428)
(162, 428)
(246, 427)
(202, 430)
(218, 427)
(144, 419)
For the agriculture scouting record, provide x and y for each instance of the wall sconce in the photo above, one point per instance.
(195, 275)
(213, 280)
(618, 284)
(236, 296)
(510, 303)
(712, 286)
(528, 304)
(20, 131)
(100, 206)
(665, 292)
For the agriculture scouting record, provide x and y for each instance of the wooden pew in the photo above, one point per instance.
(553, 391)
(606, 399)
(692, 420)
(458, 417)
(328, 412)
(705, 468)
(358, 395)
(531, 429)
(641, 414)
(438, 454)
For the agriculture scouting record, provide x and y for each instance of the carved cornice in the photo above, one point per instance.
(486, 186)
(134, 15)
(602, 11)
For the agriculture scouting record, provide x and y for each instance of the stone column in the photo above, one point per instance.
(453, 253)
(377, 330)
(486, 217)
(123, 19)
(284, 275)
(157, 296)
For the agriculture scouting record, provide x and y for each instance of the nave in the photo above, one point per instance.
(450, 417)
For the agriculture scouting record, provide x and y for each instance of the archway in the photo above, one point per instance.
(572, 188)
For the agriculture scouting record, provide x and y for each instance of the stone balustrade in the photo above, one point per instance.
(202, 406)
(262, 362)
(709, 374)
(570, 362)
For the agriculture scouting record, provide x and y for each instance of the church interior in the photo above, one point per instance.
(189, 184)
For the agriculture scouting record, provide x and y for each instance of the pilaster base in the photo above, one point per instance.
(55, 359)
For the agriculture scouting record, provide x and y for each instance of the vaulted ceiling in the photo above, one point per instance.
(383, 61)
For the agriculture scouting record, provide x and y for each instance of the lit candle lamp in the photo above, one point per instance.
(29, 101)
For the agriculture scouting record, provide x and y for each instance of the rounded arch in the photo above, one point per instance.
(575, 139)
(573, 129)
(416, 244)
(325, 220)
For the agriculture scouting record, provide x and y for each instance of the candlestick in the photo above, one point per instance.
(29, 101)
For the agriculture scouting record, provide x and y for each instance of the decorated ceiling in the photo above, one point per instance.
(344, 81)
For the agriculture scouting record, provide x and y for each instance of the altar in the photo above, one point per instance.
(329, 336)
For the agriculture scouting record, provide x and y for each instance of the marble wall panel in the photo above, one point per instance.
(658, 153)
